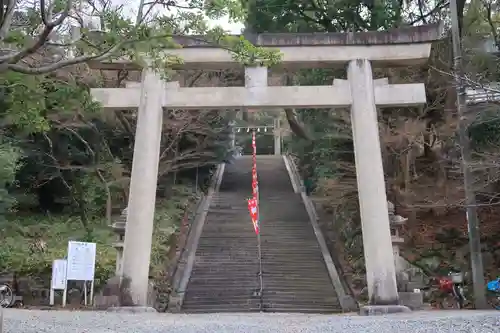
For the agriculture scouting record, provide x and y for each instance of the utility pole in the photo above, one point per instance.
(470, 196)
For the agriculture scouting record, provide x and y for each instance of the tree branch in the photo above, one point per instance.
(7, 19)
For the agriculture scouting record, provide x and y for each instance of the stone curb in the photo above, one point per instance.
(132, 309)
(380, 310)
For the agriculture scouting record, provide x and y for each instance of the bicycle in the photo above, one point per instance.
(451, 285)
(7, 297)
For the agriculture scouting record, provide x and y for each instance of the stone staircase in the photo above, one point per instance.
(225, 277)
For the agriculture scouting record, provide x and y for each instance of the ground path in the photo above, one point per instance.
(28, 321)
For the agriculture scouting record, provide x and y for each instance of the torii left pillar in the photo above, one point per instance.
(142, 196)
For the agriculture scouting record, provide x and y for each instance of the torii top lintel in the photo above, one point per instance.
(395, 47)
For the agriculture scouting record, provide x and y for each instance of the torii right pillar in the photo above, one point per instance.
(379, 261)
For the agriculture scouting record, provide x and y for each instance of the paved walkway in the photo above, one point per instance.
(28, 321)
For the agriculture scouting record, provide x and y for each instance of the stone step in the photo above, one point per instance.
(225, 274)
(245, 298)
(216, 308)
(268, 231)
(302, 281)
(268, 303)
(237, 289)
(284, 279)
(316, 291)
(276, 196)
(267, 223)
(310, 259)
(279, 247)
(301, 308)
(299, 283)
(266, 261)
(220, 308)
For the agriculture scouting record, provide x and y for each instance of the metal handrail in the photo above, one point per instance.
(482, 96)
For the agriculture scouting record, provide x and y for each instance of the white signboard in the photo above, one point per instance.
(59, 274)
(81, 261)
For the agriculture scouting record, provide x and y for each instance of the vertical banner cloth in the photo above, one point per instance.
(252, 208)
(253, 203)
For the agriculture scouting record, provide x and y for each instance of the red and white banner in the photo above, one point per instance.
(253, 203)
(254, 215)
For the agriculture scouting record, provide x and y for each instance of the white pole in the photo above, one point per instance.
(92, 286)
(51, 296)
(65, 293)
(85, 293)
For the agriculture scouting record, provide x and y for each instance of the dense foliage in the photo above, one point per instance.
(66, 162)
(419, 145)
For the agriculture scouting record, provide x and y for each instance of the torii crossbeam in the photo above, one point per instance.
(360, 92)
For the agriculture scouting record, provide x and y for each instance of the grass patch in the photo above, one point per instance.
(30, 244)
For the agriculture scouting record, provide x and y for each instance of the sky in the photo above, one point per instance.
(224, 22)
(234, 28)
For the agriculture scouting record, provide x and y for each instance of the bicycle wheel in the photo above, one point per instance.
(6, 296)
(449, 302)
(458, 295)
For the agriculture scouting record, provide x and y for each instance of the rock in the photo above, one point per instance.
(349, 304)
(412, 285)
(432, 263)
(414, 301)
(488, 259)
(363, 294)
(380, 310)
(58, 296)
(390, 207)
(102, 302)
(116, 293)
(358, 282)
(74, 297)
(132, 309)
(112, 287)
(402, 279)
(152, 294)
(113, 293)
(23, 286)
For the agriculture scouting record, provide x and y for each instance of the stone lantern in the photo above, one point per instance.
(396, 223)
(119, 228)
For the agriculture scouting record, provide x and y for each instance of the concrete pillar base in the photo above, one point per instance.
(132, 309)
(414, 301)
(349, 304)
(380, 310)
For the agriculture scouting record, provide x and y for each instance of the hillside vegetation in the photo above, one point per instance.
(420, 148)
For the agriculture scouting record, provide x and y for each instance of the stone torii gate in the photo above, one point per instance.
(360, 92)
